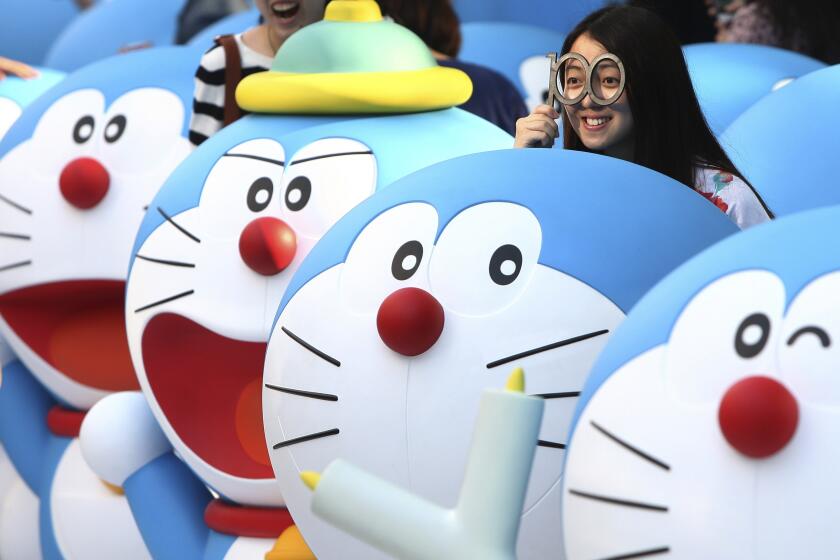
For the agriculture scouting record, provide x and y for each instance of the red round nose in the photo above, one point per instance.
(758, 416)
(410, 321)
(84, 183)
(268, 246)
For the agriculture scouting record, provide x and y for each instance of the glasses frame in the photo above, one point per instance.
(554, 87)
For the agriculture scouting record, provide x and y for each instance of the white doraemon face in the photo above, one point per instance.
(350, 375)
(720, 443)
(71, 199)
(204, 288)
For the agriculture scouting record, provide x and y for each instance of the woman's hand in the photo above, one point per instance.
(537, 130)
(15, 68)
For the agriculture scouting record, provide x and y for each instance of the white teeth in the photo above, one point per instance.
(596, 122)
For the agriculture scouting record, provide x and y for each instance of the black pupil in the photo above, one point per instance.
(298, 193)
(115, 129)
(752, 349)
(83, 129)
(403, 258)
(502, 255)
(259, 195)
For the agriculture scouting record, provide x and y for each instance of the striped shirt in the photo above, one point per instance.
(209, 97)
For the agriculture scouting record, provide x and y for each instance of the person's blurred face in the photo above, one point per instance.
(284, 17)
(604, 129)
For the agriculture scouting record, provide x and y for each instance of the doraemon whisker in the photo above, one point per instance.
(551, 444)
(618, 501)
(566, 395)
(14, 265)
(299, 393)
(631, 448)
(310, 437)
(177, 226)
(166, 262)
(640, 553)
(15, 205)
(322, 156)
(551, 346)
(258, 158)
(165, 300)
(319, 353)
(20, 236)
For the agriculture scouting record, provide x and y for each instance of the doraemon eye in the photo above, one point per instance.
(407, 260)
(83, 131)
(67, 129)
(809, 353)
(260, 193)
(484, 257)
(324, 180)
(128, 148)
(729, 331)
(752, 335)
(115, 128)
(244, 184)
(391, 253)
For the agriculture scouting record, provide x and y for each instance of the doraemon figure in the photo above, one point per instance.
(709, 426)
(517, 51)
(459, 272)
(788, 155)
(77, 171)
(731, 77)
(218, 248)
(16, 93)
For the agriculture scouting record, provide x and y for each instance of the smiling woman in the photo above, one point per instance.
(627, 93)
(236, 56)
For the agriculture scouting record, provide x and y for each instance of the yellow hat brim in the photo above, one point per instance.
(358, 92)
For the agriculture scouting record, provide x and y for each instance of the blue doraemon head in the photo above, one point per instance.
(730, 77)
(510, 258)
(111, 27)
(714, 409)
(27, 29)
(17, 93)
(785, 151)
(77, 170)
(544, 13)
(517, 51)
(221, 242)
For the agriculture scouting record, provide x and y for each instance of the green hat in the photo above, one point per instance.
(353, 62)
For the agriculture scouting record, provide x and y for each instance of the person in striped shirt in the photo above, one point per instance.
(253, 51)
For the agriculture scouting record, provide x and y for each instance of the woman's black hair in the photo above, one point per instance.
(434, 21)
(670, 132)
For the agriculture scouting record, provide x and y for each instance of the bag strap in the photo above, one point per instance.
(233, 75)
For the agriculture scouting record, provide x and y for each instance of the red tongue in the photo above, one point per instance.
(78, 327)
(209, 388)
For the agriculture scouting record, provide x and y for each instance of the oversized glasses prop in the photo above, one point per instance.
(573, 77)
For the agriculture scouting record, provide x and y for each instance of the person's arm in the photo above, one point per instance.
(15, 68)
(537, 130)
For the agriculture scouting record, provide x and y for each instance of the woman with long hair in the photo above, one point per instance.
(627, 94)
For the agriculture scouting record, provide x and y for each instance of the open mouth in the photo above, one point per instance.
(210, 388)
(285, 10)
(78, 327)
(592, 123)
